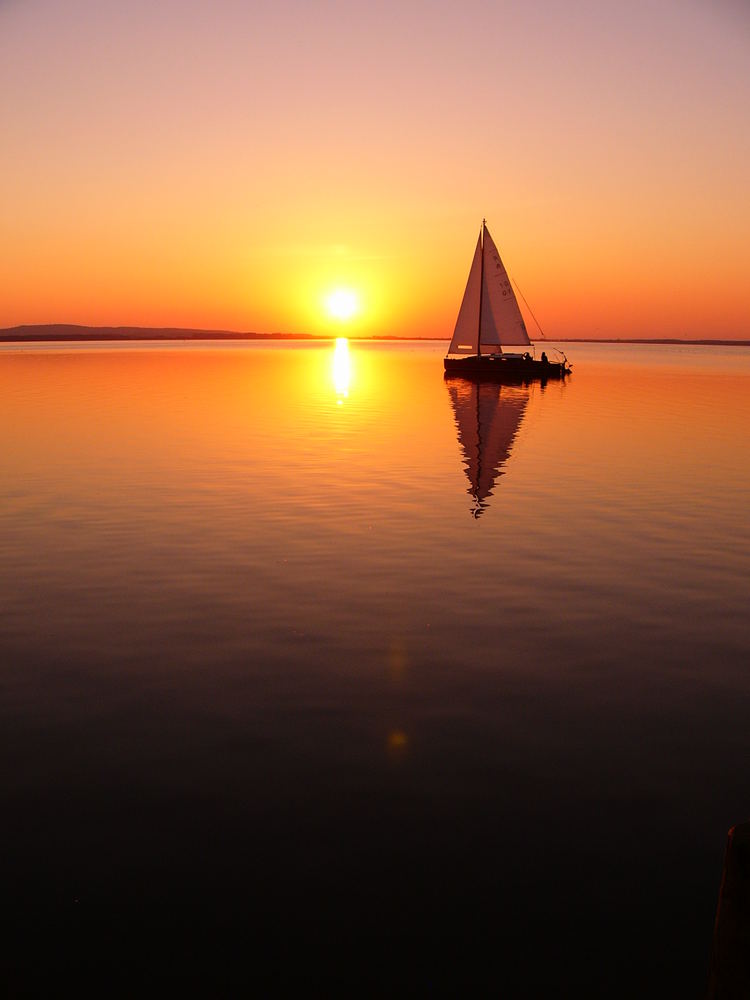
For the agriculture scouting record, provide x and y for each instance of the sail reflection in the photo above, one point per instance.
(341, 368)
(487, 417)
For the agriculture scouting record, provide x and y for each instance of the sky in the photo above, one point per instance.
(232, 165)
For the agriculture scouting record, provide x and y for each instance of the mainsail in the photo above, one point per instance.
(489, 315)
(501, 316)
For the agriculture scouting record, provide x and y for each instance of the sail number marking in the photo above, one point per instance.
(501, 277)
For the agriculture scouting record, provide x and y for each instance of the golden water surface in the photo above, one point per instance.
(311, 645)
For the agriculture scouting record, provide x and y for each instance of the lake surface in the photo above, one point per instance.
(319, 671)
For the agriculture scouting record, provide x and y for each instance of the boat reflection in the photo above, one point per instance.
(487, 417)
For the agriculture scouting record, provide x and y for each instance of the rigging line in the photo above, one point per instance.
(529, 308)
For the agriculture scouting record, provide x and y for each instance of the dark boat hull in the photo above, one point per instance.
(500, 368)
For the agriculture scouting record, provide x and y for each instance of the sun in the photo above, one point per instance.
(342, 304)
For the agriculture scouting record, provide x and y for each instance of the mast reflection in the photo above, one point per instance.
(488, 416)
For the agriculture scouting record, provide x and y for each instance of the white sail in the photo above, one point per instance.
(466, 334)
(502, 322)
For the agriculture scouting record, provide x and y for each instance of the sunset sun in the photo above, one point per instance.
(342, 304)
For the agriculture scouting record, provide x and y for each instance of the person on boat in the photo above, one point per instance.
(545, 359)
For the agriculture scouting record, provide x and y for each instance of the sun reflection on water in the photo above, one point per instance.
(341, 369)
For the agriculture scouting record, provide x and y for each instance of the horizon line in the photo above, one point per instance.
(69, 332)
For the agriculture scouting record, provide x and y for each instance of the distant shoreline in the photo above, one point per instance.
(66, 332)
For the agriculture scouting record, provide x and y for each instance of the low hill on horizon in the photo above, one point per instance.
(73, 331)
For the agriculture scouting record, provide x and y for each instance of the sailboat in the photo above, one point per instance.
(490, 319)
(488, 417)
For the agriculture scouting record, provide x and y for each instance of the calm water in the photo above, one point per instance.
(319, 671)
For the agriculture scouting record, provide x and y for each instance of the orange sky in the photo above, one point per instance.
(228, 165)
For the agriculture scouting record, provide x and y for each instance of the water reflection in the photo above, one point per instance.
(487, 416)
(341, 369)
(257, 695)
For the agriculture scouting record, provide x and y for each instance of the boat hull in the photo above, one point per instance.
(500, 368)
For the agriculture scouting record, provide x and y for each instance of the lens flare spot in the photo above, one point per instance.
(397, 741)
(398, 660)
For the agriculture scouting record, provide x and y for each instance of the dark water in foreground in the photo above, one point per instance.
(279, 711)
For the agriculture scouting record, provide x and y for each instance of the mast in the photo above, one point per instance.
(478, 510)
(481, 288)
